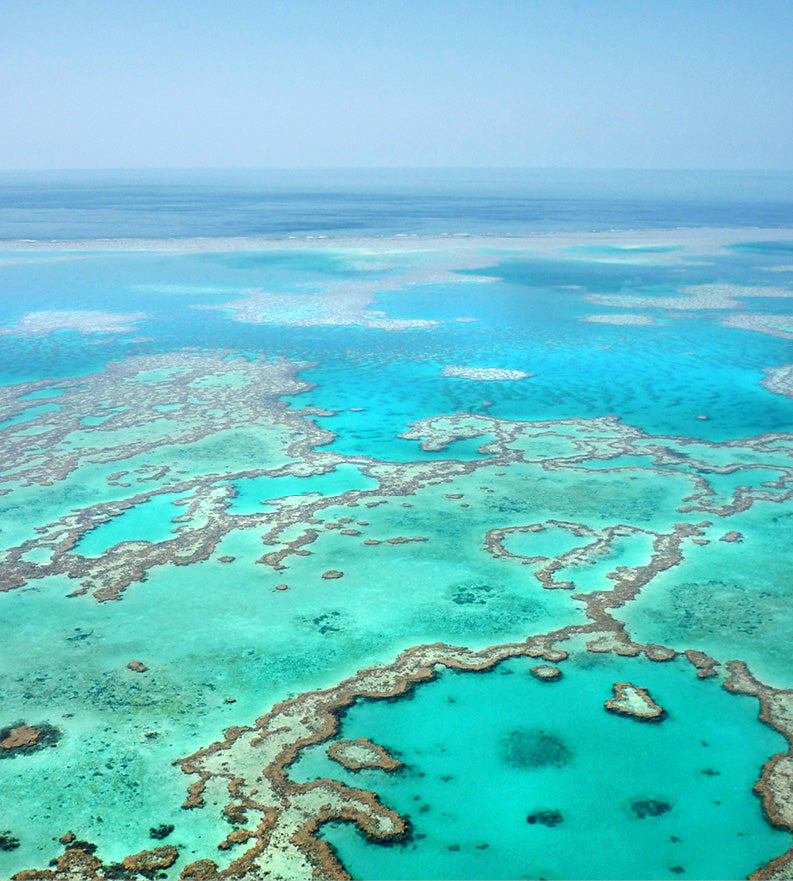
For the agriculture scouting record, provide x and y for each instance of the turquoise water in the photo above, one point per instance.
(413, 552)
(252, 491)
(659, 378)
(482, 752)
(551, 542)
(728, 599)
(151, 520)
(29, 413)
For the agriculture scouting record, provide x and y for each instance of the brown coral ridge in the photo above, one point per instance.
(634, 702)
(706, 666)
(78, 863)
(221, 407)
(275, 741)
(627, 581)
(294, 812)
(252, 761)
(127, 562)
(546, 673)
(776, 779)
(207, 519)
(131, 406)
(200, 870)
(268, 748)
(606, 438)
(732, 536)
(20, 738)
(547, 566)
(355, 755)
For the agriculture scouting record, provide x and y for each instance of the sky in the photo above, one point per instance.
(360, 83)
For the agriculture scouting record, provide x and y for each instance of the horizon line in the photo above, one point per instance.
(393, 168)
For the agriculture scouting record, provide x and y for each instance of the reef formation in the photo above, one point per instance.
(275, 821)
(150, 428)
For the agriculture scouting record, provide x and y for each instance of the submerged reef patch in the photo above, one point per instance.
(650, 807)
(545, 817)
(472, 594)
(8, 841)
(534, 748)
(160, 832)
(20, 738)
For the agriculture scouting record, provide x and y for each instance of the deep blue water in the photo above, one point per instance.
(184, 203)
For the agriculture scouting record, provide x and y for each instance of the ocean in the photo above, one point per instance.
(425, 523)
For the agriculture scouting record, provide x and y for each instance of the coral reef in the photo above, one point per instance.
(21, 739)
(275, 819)
(634, 702)
(362, 753)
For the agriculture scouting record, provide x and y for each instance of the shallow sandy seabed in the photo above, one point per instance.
(85, 321)
(620, 319)
(485, 374)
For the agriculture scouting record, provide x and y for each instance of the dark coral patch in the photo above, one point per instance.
(545, 818)
(472, 594)
(19, 738)
(534, 748)
(650, 807)
(8, 841)
(160, 832)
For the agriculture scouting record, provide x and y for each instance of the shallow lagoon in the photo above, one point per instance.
(483, 752)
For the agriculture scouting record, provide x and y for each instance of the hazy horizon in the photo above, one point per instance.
(269, 168)
(452, 84)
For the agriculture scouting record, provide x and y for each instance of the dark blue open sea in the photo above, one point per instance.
(381, 202)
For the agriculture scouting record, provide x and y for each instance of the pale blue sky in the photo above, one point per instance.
(257, 83)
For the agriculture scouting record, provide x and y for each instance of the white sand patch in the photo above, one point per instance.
(485, 374)
(349, 303)
(772, 325)
(347, 309)
(621, 318)
(697, 297)
(87, 321)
